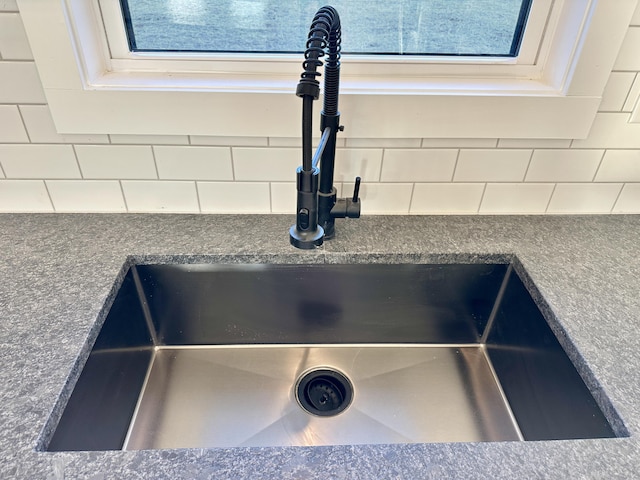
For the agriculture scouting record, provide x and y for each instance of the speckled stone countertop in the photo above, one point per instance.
(57, 271)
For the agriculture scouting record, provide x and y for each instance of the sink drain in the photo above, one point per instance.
(324, 392)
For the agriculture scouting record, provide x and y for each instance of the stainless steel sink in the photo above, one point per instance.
(217, 355)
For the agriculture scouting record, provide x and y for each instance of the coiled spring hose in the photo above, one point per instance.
(324, 36)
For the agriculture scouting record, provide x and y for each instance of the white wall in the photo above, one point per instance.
(42, 171)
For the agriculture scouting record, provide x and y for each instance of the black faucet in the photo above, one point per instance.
(317, 202)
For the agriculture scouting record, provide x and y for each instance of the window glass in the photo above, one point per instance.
(402, 27)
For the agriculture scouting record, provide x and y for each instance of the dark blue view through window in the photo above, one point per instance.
(404, 27)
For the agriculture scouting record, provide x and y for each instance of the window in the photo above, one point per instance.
(94, 83)
(407, 27)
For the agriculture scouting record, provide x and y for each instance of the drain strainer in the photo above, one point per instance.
(324, 392)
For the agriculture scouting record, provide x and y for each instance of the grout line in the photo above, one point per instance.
(484, 190)
(617, 198)
(526, 172)
(155, 180)
(31, 104)
(233, 164)
(615, 111)
(593, 179)
(384, 152)
(124, 197)
(149, 144)
(413, 189)
(24, 124)
(627, 97)
(198, 196)
(46, 187)
(455, 166)
(270, 198)
(75, 154)
(553, 192)
(155, 163)
(17, 60)
(63, 179)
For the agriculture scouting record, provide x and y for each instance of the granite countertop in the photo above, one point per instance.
(57, 271)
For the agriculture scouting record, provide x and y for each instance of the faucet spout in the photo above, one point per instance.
(317, 198)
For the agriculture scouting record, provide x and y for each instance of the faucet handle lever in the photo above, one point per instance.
(356, 190)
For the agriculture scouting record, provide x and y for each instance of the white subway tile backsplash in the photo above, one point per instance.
(418, 165)
(628, 58)
(24, 196)
(161, 196)
(533, 143)
(383, 198)
(266, 164)
(234, 197)
(629, 199)
(283, 197)
(288, 142)
(86, 195)
(41, 128)
(383, 142)
(563, 165)
(11, 128)
(280, 164)
(616, 91)
(516, 198)
(584, 198)
(149, 139)
(459, 142)
(441, 198)
(297, 141)
(38, 161)
(636, 16)
(620, 166)
(611, 130)
(8, 6)
(193, 163)
(229, 141)
(41, 169)
(492, 165)
(358, 162)
(634, 95)
(116, 161)
(13, 39)
(20, 83)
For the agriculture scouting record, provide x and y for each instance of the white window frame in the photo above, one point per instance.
(542, 14)
(552, 91)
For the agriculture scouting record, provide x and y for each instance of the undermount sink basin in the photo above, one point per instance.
(221, 355)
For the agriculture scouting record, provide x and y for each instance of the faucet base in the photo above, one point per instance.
(306, 240)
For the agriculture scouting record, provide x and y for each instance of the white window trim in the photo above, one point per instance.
(557, 97)
(542, 14)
